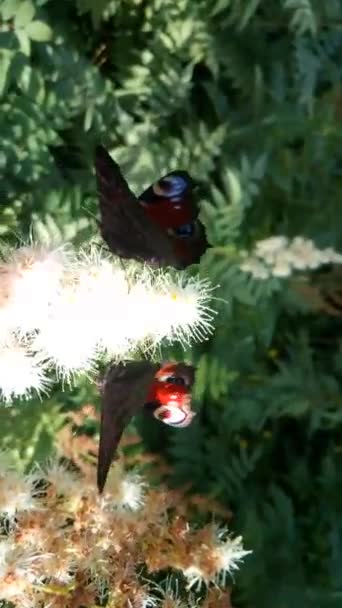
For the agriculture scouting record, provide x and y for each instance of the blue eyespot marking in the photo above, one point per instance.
(176, 380)
(175, 185)
(185, 230)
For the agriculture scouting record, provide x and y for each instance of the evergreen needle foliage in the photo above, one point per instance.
(246, 96)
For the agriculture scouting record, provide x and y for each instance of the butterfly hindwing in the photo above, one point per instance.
(169, 202)
(190, 248)
(170, 205)
(188, 373)
(124, 392)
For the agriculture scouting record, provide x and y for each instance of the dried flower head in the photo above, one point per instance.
(17, 493)
(70, 545)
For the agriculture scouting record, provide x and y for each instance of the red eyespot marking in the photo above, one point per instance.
(171, 393)
(166, 370)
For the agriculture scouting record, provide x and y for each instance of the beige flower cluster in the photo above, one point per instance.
(63, 309)
(64, 546)
(279, 256)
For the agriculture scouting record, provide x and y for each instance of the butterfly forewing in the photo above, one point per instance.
(124, 225)
(124, 392)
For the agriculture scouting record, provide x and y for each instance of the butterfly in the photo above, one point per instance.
(161, 227)
(163, 391)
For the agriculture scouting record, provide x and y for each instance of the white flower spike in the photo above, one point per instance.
(280, 257)
(63, 311)
(21, 371)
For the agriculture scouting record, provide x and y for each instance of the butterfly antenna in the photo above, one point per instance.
(89, 213)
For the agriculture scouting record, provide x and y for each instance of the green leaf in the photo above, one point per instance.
(24, 14)
(234, 187)
(249, 12)
(24, 42)
(8, 41)
(88, 118)
(31, 83)
(5, 64)
(95, 8)
(39, 31)
(9, 8)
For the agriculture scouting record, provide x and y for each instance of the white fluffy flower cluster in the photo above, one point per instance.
(60, 309)
(279, 256)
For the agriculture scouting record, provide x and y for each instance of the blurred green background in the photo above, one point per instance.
(245, 95)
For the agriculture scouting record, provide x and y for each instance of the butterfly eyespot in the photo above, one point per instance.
(159, 190)
(171, 415)
(184, 231)
(171, 186)
(176, 380)
(172, 379)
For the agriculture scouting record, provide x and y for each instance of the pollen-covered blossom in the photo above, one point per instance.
(282, 264)
(306, 255)
(226, 556)
(256, 268)
(125, 492)
(169, 595)
(17, 492)
(131, 493)
(268, 249)
(61, 310)
(229, 555)
(59, 477)
(67, 339)
(73, 545)
(21, 371)
(29, 281)
(279, 256)
(21, 567)
(183, 308)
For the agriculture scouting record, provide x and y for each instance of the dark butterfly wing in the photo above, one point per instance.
(170, 204)
(190, 248)
(124, 226)
(124, 392)
(177, 373)
(187, 372)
